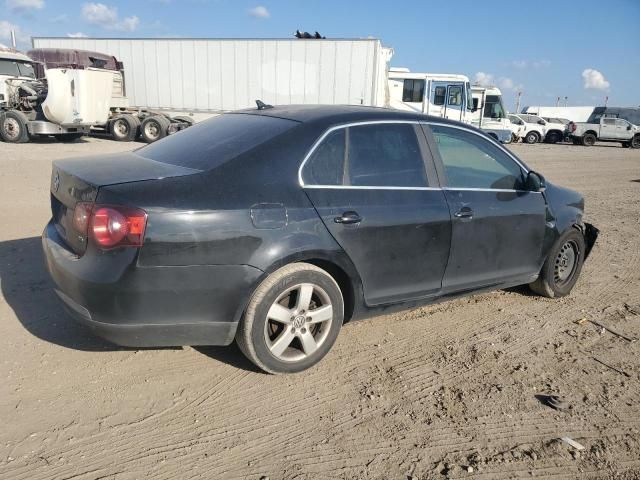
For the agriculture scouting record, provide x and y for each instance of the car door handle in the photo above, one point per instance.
(348, 218)
(464, 212)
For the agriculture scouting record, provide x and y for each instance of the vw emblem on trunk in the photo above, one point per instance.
(56, 182)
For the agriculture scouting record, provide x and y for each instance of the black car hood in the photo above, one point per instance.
(119, 168)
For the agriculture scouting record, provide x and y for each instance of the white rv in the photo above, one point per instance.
(489, 114)
(441, 95)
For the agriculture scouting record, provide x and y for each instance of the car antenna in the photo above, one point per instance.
(262, 106)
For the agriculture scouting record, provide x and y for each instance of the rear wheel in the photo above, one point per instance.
(124, 128)
(532, 137)
(562, 268)
(154, 128)
(589, 140)
(635, 142)
(13, 127)
(292, 320)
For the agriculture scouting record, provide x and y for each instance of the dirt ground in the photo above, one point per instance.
(448, 391)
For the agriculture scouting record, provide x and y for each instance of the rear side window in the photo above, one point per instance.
(377, 155)
(326, 164)
(471, 161)
(213, 142)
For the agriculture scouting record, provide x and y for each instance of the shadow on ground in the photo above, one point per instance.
(26, 287)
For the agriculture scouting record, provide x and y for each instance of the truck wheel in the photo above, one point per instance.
(124, 128)
(13, 127)
(154, 128)
(532, 137)
(554, 137)
(635, 142)
(589, 140)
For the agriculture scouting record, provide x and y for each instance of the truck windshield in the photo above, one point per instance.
(16, 69)
(213, 142)
(493, 107)
(26, 70)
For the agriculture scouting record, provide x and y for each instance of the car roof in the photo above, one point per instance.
(337, 114)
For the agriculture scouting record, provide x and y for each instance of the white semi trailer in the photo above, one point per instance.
(209, 76)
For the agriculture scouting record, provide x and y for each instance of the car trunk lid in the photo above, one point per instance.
(78, 180)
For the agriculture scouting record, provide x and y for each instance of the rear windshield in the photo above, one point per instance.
(213, 142)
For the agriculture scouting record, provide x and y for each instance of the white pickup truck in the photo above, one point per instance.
(608, 130)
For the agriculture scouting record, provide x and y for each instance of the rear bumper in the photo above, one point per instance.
(148, 306)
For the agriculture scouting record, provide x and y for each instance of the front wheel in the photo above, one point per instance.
(531, 137)
(13, 127)
(292, 319)
(554, 137)
(562, 268)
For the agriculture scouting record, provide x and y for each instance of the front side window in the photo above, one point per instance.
(376, 155)
(455, 96)
(471, 161)
(439, 95)
(413, 90)
(622, 123)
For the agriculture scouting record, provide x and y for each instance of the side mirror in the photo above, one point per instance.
(535, 182)
(628, 127)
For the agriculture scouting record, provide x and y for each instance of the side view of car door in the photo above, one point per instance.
(497, 225)
(375, 187)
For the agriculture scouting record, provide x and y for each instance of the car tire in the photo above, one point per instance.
(13, 127)
(562, 267)
(635, 142)
(589, 140)
(154, 128)
(124, 128)
(532, 137)
(280, 335)
(554, 137)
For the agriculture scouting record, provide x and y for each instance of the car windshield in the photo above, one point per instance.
(213, 142)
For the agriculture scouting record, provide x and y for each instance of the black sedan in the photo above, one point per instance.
(275, 226)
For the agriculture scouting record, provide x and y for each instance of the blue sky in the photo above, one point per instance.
(584, 50)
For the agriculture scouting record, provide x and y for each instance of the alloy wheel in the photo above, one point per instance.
(298, 322)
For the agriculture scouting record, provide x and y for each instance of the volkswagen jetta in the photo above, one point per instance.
(274, 226)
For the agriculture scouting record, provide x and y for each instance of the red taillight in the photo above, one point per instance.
(111, 225)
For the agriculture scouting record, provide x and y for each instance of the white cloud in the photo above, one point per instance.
(594, 79)
(484, 79)
(76, 35)
(24, 5)
(107, 17)
(505, 83)
(259, 12)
